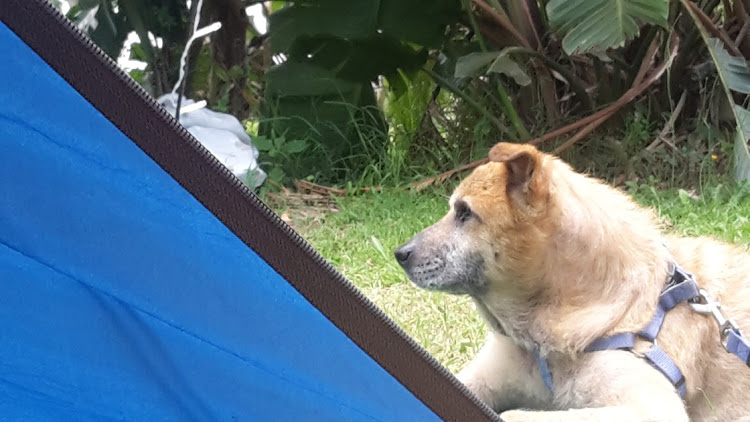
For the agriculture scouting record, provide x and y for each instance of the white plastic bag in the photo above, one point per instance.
(224, 136)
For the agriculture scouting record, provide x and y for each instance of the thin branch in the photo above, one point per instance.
(450, 86)
(503, 22)
(581, 134)
(498, 7)
(626, 98)
(727, 8)
(534, 23)
(742, 33)
(473, 21)
(648, 58)
(591, 123)
(711, 27)
(505, 101)
(510, 111)
(740, 12)
(629, 96)
(670, 123)
(643, 52)
(442, 177)
(575, 83)
(305, 187)
(502, 19)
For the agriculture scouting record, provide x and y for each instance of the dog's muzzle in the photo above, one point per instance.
(432, 269)
(424, 271)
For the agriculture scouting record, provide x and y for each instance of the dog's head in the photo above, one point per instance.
(493, 230)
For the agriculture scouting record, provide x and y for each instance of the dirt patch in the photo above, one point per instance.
(301, 211)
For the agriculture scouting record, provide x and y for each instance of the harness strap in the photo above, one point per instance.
(624, 341)
(738, 345)
(730, 335)
(544, 370)
(680, 287)
(659, 360)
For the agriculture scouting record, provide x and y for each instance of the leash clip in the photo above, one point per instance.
(704, 304)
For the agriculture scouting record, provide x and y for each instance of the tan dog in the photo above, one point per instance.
(554, 260)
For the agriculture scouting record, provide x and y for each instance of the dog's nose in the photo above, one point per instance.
(403, 253)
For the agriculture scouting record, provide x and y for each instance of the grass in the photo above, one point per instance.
(359, 239)
(720, 211)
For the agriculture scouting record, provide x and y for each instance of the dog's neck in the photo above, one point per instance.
(601, 274)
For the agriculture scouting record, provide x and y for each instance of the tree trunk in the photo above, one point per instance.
(228, 46)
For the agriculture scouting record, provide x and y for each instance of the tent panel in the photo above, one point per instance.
(124, 297)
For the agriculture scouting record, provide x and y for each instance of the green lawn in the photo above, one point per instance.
(360, 237)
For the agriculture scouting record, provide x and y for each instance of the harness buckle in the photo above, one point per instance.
(704, 304)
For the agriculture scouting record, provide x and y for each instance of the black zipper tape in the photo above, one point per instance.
(121, 100)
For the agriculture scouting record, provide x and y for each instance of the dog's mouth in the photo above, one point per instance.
(441, 271)
(426, 274)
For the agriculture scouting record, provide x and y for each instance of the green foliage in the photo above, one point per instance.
(638, 132)
(334, 50)
(383, 91)
(405, 105)
(108, 22)
(278, 150)
(417, 22)
(339, 118)
(473, 64)
(734, 76)
(733, 71)
(596, 25)
(742, 154)
(476, 64)
(98, 19)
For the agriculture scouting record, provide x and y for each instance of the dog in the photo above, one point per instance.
(554, 260)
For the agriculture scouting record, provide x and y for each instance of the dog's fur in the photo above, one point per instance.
(553, 260)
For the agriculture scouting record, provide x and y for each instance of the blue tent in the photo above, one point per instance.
(140, 280)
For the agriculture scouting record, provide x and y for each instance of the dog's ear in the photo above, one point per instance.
(520, 170)
(520, 162)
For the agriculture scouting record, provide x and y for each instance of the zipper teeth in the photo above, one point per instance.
(298, 240)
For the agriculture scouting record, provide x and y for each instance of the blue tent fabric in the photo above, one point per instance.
(139, 281)
(123, 297)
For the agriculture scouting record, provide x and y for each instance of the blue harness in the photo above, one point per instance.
(681, 287)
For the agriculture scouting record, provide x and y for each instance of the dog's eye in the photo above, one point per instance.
(462, 210)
